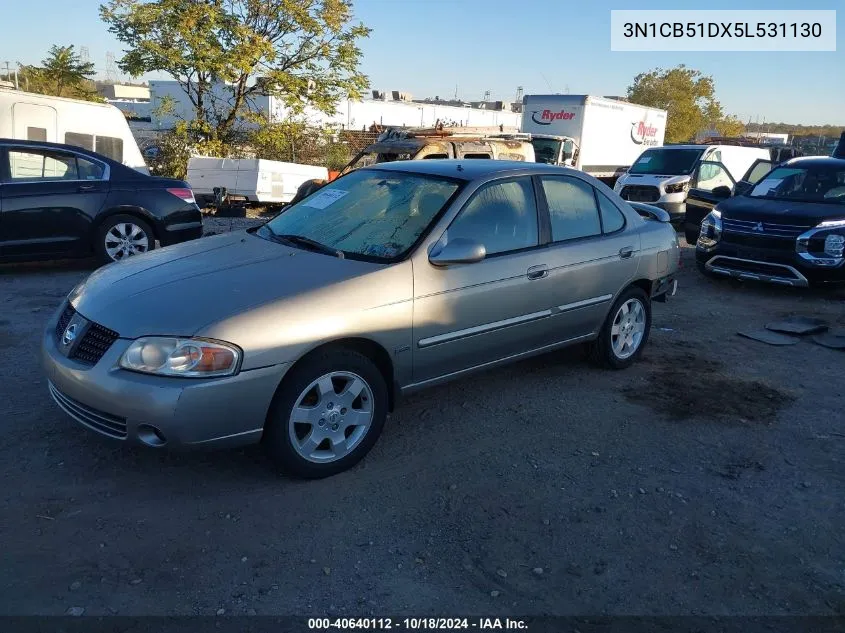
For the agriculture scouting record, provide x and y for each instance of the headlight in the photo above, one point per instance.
(187, 358)
(711, 229)
(678, 187)
(834, 245)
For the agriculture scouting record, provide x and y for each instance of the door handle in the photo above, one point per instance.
(626, 252)
(87, 187)
(538, 272)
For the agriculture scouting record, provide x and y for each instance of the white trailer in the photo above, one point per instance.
(600, 136)
(252, 180)
(98, 127)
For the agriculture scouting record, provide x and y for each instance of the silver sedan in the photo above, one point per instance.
(304, 332)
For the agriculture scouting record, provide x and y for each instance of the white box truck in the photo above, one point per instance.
(98, 127)
(600, 136)
(250, 180)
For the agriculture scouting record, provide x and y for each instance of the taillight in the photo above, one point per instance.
(185, 194)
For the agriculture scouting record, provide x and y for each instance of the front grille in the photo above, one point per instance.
(769, 243)
(640, 193)
(64, 319)
(104, 423)
(763, 229)
(94, 344)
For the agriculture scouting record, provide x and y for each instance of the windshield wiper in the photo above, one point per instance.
(308, 243)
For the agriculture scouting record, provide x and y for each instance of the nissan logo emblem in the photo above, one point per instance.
(70, 334)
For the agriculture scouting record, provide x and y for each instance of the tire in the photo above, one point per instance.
(691, 236)
(333, 449)
(606, 349)
(109, 232)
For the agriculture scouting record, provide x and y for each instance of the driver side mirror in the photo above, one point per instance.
(723, 192)
(458, 251)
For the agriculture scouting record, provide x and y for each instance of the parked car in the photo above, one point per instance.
(305, 331)
(63, 201)
(788, 229)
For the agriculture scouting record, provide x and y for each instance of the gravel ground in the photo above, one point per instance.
(707, 479)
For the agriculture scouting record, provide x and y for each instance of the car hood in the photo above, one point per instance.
(780, 211)
(181, 289)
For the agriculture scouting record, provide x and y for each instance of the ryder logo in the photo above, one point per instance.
(642, 133)
(547, 116)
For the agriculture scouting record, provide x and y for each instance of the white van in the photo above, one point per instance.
(98, 127)
(251, 180)
(664, 175)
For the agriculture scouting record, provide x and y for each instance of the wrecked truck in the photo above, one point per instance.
(432, 143)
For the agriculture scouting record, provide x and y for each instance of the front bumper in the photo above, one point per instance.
(159, 411)
(763, 264)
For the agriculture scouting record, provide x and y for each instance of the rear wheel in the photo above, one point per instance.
(327, 414)
(625, 332)
(123, 236)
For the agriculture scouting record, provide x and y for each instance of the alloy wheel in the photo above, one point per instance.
(331, 417)
(628, 327)
(126, 239)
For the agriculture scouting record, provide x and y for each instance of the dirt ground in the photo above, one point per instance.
(707, 479)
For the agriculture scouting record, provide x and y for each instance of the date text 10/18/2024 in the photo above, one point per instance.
(416, 624)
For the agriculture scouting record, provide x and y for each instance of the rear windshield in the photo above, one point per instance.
(666, 161)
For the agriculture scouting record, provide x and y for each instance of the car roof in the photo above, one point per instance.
(816, 161)
(468, 169)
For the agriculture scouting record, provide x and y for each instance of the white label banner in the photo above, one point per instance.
(680, 30)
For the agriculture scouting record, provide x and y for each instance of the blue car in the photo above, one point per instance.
(788, 228)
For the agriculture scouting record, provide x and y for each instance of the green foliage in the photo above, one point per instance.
(730, 126)
(62, 74)
(303, 51)
(687, 96)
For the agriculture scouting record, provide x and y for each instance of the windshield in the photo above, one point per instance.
(369, 213)
(824, 184)
(666, 161)
(546, 150)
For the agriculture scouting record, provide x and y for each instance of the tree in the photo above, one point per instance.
(62, 74)
(730, 126)
(303, 51)
(686, 95)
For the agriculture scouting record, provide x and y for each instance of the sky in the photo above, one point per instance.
(435, 47)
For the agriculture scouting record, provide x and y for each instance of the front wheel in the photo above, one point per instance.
(625, 332)
(327, 415)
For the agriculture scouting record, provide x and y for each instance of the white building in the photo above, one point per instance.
(768, 137)
(349, 114)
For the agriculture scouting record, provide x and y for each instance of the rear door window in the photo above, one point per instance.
(572, 208)
(37, 165)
